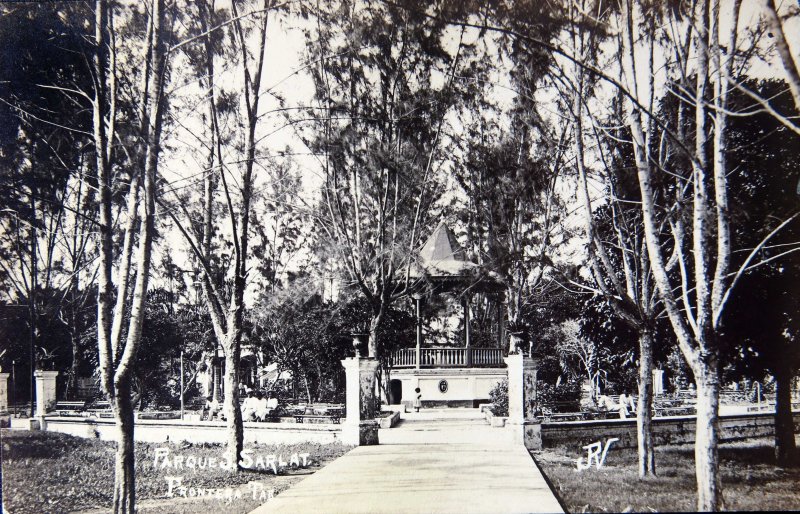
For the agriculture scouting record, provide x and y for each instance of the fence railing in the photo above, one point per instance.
(448, 358)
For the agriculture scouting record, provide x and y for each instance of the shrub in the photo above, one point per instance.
(499, 398)
(548, 395)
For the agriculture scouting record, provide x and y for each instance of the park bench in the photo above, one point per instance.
(70, 408)
(101, 409)
(560, 407)
(566, 416)
(302, 418)
(675, 411)
(667, 403)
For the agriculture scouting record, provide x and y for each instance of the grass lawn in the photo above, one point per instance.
(52, 472)
(750, 480)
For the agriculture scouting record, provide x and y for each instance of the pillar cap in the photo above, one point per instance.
(45, 374)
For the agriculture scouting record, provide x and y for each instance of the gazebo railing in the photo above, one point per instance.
(448, 358)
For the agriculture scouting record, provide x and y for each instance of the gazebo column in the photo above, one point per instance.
(418, 314)
(501, 322)
(467, 335)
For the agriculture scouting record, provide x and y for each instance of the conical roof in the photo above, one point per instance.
(441, 255)
(443, 261)
(442, 245)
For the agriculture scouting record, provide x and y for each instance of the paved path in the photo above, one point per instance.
(435, 461)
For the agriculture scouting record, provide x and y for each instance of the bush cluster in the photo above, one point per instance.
(499, 398)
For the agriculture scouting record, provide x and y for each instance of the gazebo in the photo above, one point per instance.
(453, 376)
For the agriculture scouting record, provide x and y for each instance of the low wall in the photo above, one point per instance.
(667, 430)
(465, 387)
(158, 431)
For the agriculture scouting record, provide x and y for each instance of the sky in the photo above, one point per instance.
(285, 76)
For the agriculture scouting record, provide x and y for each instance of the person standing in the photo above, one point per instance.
(417, 399)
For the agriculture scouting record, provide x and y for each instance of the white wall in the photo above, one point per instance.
(197, 431)
(462, 384)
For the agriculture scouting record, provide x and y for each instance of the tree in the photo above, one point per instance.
(227, 307)
(513, 210)
(697, 213)
(117, 357)
(699, 222)
(379, 121)
(513, 163)
(760, 328)
(617, 254)
(46, 220)
(789, 62)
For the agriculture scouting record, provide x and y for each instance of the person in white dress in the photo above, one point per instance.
(272, 403)
(260, 410)
(249, 407)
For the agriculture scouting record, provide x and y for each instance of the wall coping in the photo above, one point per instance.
(171, 423)
(671, 419)
(448, 371)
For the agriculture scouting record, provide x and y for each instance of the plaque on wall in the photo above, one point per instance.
(443, 386)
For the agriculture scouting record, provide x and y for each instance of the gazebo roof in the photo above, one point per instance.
(442, 260)
(442, 256)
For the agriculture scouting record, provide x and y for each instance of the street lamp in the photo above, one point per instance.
(181, 384)
(14, 380)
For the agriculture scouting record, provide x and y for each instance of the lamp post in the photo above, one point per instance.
(216, 371)
(181, 386)
(418, 314)
(13, 382)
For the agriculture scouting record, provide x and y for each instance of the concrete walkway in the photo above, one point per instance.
(435, 461)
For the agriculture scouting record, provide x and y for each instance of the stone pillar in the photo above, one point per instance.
(658, 382)
(4, 392)
(360, 427)
(522, 420)
(216, 379)
(45, 390)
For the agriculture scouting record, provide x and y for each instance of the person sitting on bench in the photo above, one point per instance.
(609, 405)
(627, 402)
(213, 408)
(272, 403)
(260, 407)
(249, 407)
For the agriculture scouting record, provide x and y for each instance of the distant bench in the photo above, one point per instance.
(333, 418)
(70, 408)
(101, 409)
(675, 411)
(77, 408)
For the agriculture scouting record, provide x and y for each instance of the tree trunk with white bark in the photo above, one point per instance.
(233, 412)
(124, 477)
(706, 454)
(644, 413)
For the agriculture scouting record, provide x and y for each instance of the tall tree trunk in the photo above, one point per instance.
(233, 412)
(785, 446)
(709, 492)
(374, 327)
(116, 363)
(644, 414)
(124, 478)
(789, 63)
(72, 382)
